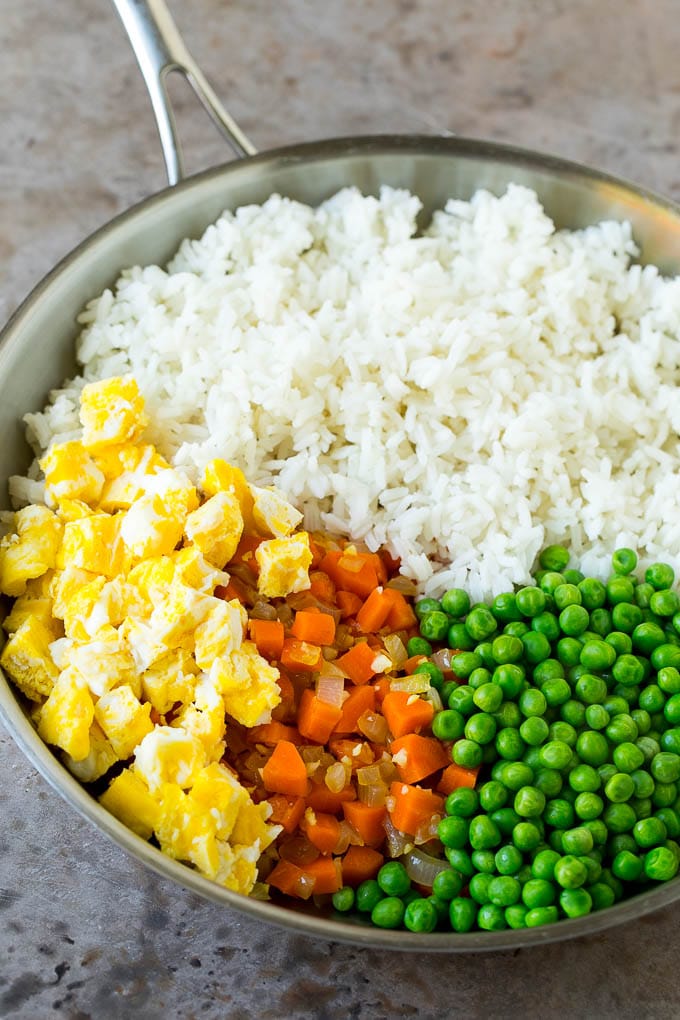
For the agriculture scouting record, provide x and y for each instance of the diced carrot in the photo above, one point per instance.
(375, 610)
(291, 880)
(409, 666)
(454, 776)
(321, 587)
(320, 798)
(285, 710)
(314, 627)
(326, 873)
(245, 552)
(348, 603)
(322, 830)
(358, 700)
(406, 713)
(350, 571)
(417, 757)
(366, 820)
(316, 718)
(235, 589)
(285, 771)
(359, 864)
(413, 807)
(358, 752)
(317, 550)
(382, 689)
(286, 811)
(300, 656)
(272, 733)
(268, 636)
(401, 615)
(357, 663)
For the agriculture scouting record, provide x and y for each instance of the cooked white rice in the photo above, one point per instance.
(466, 395)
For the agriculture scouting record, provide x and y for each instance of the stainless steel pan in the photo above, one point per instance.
(37, 353)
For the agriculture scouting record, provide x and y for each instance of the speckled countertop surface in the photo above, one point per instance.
(85, 932)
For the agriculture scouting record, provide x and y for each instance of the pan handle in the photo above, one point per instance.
(160, 50)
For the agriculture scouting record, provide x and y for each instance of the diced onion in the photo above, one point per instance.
(398, 844)
(331, 669)
(422, 868)
(403, 584)
(351, 562)
(419, 683)
(372, 786)
(434, 698)
(442, 659)
(427, 831)
(381, 663)
(396, 649)
(330, 688)
(298, 850)
(337, 776)
(263, 611)
(348, 837)
(373, 725)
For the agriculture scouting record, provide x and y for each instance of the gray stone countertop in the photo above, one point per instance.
(85, 932)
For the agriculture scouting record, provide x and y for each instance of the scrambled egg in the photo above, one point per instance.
(117, 637)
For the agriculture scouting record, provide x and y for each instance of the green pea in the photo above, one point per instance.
(505, 819)
(556, 691)
(588, 806)
(534, 731)
(649, 832)
(643, 594)
(627, 866)
(459, 638)
(467, 753)
(484, 833)
(664, 603)
(515, 915)
(577, 841)
(492, 795)
(549, 580)
(461, 699)
(555, 755)
(547, 624)
(670, 740)
(624, 561)
(597, 655)
(568, 651)
(573, 712)
(668, 680)
(564, 731)
(425, 606)
(548, 781)
(343, 899)
(506, 648)
(642, 720)
(479, 886)
(462, 802)
(665, 767)
(488, 697)
(671, 709)
(510, 678)
(597, 717)
(539, 916)
(455, 602)
(660, 576)
(626, 616)
(504, 608)
(549, 669)
(480, 728)
(619, 817)
(593, 593)
(661, 864)
(368, 894)
(460, 861)
(452, 831)
(584, 778)
(554, 558)
(529, 802)
(480, 623)
(670, 818)
(515, 775)
(591, 689)
(647, 636)
(393, 879)
(434, 626)
(464, 663)
(652, 699)
(504, 891)
(576, 902)
(592, 748)
(462, 914)
(491, 917)
(448, 725)
(388, 913)
(620, 589)
(666, 655)
(570, 872)
(538, 892)
(508, 860)
(418, 646)
(628, 670)
(516, 628)
(642, 806)
(627, 757)
(602, 895)
(421, 915)
(567, 595)
(574, 620)
(619, 788)
(508, 716)
(530, 601)
(664, 793)
(622, 729)
(559, 813)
